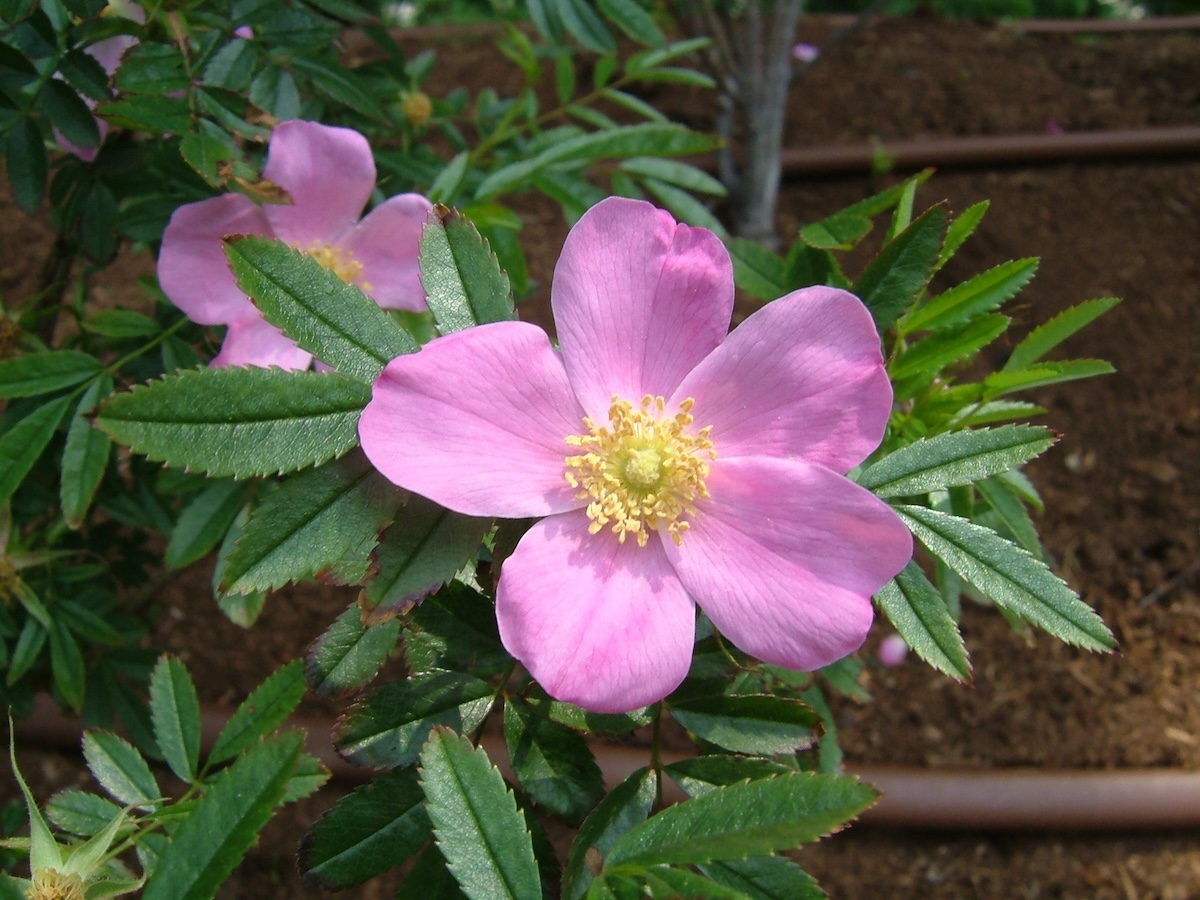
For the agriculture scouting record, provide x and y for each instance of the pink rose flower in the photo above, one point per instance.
(676, 464)
(329, 173)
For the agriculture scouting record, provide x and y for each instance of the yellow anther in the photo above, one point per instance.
(49, 884)
(339, 261)
(643, 471)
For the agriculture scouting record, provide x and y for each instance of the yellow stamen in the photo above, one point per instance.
(643, 471)
(339, 261)
(49, 884)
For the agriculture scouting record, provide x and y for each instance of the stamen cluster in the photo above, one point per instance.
(643, 471)
(340, 262)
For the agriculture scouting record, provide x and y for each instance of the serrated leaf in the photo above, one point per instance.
(1010, 576)
(309, 776)
(838, 232)
(934, 352)
(315, 519)
(429, 879)
(756, 818)
(373, 829)
(955, 458)
(624, 807)
(703, 774)
(151, 68)
(26, 162)
(22, 444)
(758, 724)
(42, 373)
(973, 297)
(1044, 373)
(349, 653)
(420, 551)
(206, 153)
(633, 19)
(461, 276)
(1005, 500)
(585, 26)
(960, 229)
(592, 722)
(67, 666)
(232, 66)
(332, 320)
(203, 523)
(455, 628)
(175, 712)
(446, 186)
(1050, 334)
(225, 822)
(85, 455)
(121, 769)
(333, 80)
(897, 276)
(766, 878)
(674, 172)
(264, 710)
(145, 112)
(476, 823)
(552, 762)
(922, 618)
(69, 114)
(80, 812)
(388, 726)
(239, 421)
(121, 323)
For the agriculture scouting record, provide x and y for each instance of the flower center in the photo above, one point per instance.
(49, 884)
(642, 471)
(339, 261)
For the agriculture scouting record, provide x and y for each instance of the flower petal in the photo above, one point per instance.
(476, 421)
(604, 625)
(253, 341)
(386, 244)
(785, 557)
(638, 301)
(802, 377)
(192, 267)
(329, 173)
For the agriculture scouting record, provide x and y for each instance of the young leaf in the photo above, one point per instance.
(455, 628)
(332, 320)
(921, 617)
(934, 352)
(264, 710)
(903, 267)
(120, 769)
(314, 520)
(552, 762)
(462, 279)
(973, 297)
(373, 829)
(758, 724)
(349, 653)
(954, 458)
(225, 822)
(203, 523)
(1050, 334)
(388, 726)
(22, 444)
(239, 421)
(754, 818)
(476, 823)
(1008, 575)
(959, 230)
(175, 712)
(625, 806)
(765, 878)
(42, 373)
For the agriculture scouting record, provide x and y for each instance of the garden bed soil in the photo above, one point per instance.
(1122, 487)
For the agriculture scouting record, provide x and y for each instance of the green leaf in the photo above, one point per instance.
(838, 232)
(238, 421)
(429, 879)
(1010, 576)
(634, 104)
(85, 74)
(22, 444)
(332, 320)
(85, 455)
(455, 628)
(959, 230)
(121, 323)
(462, 278)
(476, 823)
(80, 812)
(25, 158)
(315, 519)
(42, 373)
(593, 722)
(623, 808)
(898, 275)
(679, 173)
(448, 182)
(350, 653)
(585, 26)
(1005, 501)
(120, 769)
(1044, 373)
(175, 712)
(388, 726)
(973, 297)
(144, 112)
(207, 152)
(373, 829)
(225, 822)
(66, 665)
(419, 553)
(758, 724)
(684, 206)
(921, 617)
(552, 762)
(69, 114)
(344, 87)
(152, 68)
(765, 878)
(931, 354)
(633, 19)
(309, 776)
(704, 774)
(232, 66)
(1050, 334)
(267, 707)
(955, 458)
(669, 881)
(755, 818)
(203, 523)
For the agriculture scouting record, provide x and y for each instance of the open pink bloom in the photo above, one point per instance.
(675, 464)
(329, 173)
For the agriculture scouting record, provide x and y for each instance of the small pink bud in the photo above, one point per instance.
(892, 650)
(806, 53)
(244, 31)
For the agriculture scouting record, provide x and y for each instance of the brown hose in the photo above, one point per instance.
(990, 800)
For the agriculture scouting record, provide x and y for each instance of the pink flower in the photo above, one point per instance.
(675, 464)
(329, 173)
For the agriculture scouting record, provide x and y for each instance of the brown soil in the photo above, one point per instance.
(1122, 487)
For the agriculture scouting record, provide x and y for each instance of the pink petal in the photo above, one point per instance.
(253, 341)
(638, 301)
(802, 377)
(192, 267)
(476, 421)
(386, 243)
(604, 625)
(785, 557)
(329, 173)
